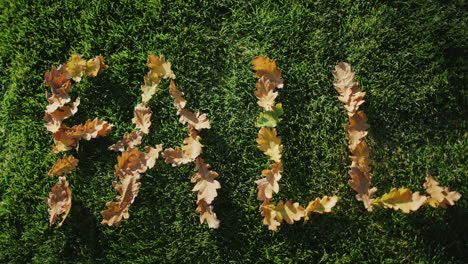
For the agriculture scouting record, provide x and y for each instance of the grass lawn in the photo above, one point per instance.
(410, 57)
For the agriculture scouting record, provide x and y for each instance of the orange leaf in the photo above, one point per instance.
(95, 66)
(206, 185)
(357, 129)
(131, 162)
(65, 165)
(91, 129)
(54, 120)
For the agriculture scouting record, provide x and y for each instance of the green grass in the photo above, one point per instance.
(409, 56)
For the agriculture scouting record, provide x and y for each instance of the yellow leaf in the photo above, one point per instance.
(270, 144)
(267, 68)
(159, 67)
(95, 66)
(65, 165)
(269, 215)
(439, 196)
(76, 67)
(149, 88)
(59, 201)
(402, 199)
(142, 118)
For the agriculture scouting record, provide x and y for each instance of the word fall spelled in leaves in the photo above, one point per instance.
(133, 163)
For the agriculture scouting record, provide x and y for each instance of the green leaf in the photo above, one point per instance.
(270, 118)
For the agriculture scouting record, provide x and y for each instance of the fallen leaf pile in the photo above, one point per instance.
(204, 178)
(67, 138)
(270, 144)
(398, 199)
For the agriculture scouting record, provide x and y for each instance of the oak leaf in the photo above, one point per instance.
(439, 196)
(268, 68)
(76, 67)
(95, 66)
(192, 147)
(128, 190)
(360, 158)
(323, 205)
(265, 93)
(402, 199)
(131, 162)
(269, 184)
(149, 88)
(357, 129)
(65, 165)
(59, 201)
(142, 118)
(63, 140)
(90, 129)
(349, 91)
(206, 185)
(289, 211)
(152, 154)
(54, 120)
(197, 121)
(159, 67)
(206, 214)
(175, 156)
(179, 100)
(270, 118)
(128, 141)
(269, 215)
(270, 144)
(60, 85)
(361, 182)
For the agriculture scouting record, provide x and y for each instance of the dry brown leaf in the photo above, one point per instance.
(159, 67)
(142, 118)
(323, 205)
(128, 141)
(63, 141)
(192, 147)
(54, 120)
(360, 158)
(179, 100)
(439, 196)
(60, 85)
(91, 129)
(130, 163)
(360, 182)
(206, 214)
(401, 199)
(289, 211)
(357, 129)
(175, 156)
(268, 68)
(349, 91)
(128, 190)
(65, 165)
(266, 94)
(149, 88)
(59, 201)
(206, 185)
(270, 144)
(95, 66)
(152, 154)
(269, 184)
(197, 121)
(269, 215)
